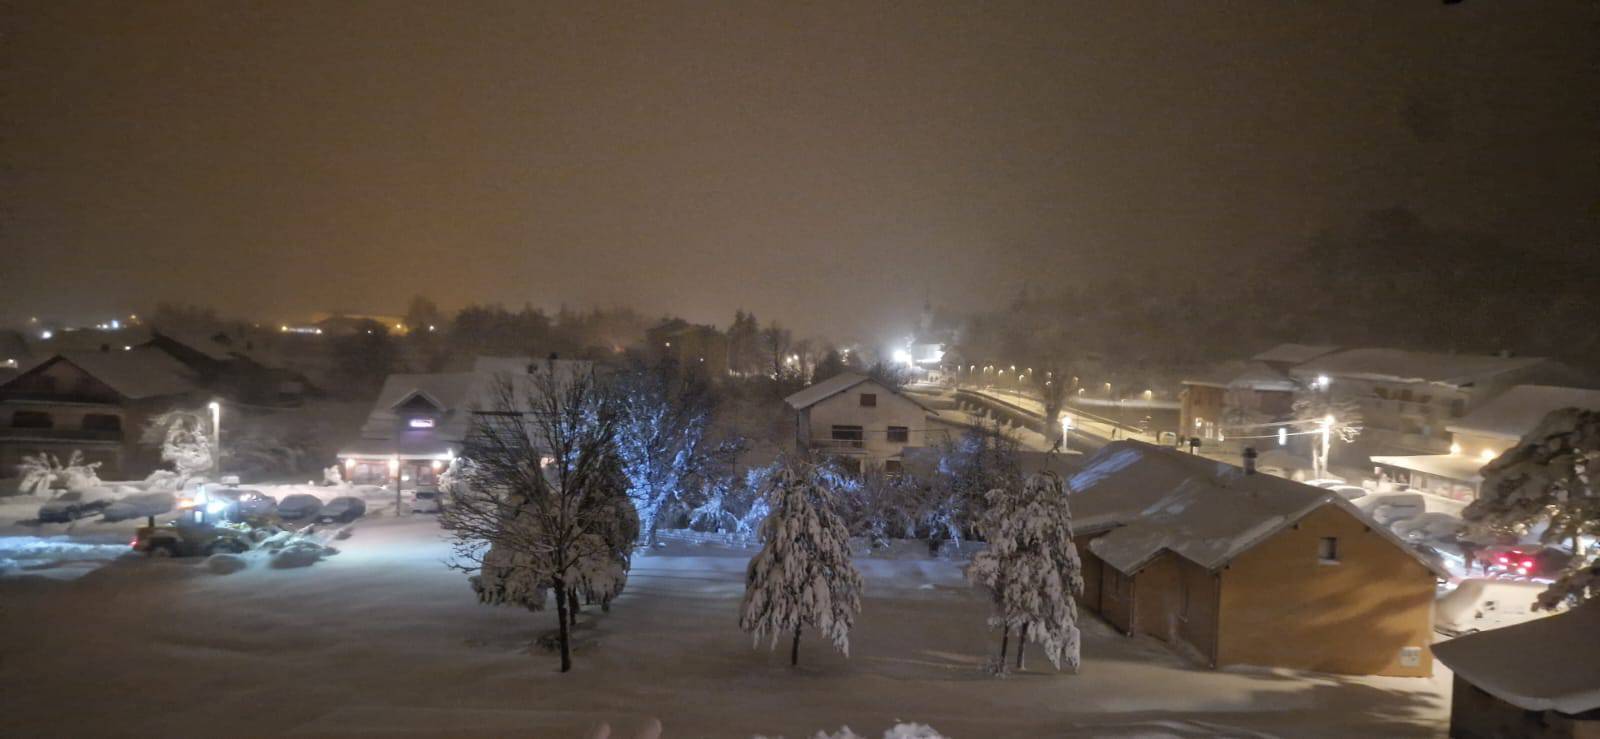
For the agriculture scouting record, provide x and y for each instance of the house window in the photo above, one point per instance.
(869, 400)
(899, 434)
(849, 435)
(32, 420)
(101, 422)
(892, 467)
(1328, 550)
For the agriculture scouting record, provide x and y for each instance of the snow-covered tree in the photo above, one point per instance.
(802, 576)
(185, 436)
(1031, 568)
(38, 473)
(663, 414)
(1548, 479)
(603, 572)
(534, 503)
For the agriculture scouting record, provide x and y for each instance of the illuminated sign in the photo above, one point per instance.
(420, 423)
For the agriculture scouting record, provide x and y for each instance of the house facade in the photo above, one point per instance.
(1482, 435)
(861, 422)
(1236, 568)
(690, 345)
(420, 421)
(1214, 402)
(96, 403)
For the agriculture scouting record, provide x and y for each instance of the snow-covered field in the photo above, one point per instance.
(383, 639)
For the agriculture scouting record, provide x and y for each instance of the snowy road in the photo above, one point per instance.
(384, 639)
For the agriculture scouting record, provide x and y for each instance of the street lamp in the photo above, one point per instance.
(216, 437)
(394, 472)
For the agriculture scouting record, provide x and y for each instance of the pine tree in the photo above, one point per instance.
(802, 575)
(1547, 479)
(1031, 568)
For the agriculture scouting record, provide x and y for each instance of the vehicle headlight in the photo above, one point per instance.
(216, 506)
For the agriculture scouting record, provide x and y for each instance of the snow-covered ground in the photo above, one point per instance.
(384, 639)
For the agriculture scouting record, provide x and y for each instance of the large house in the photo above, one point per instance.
(860, 422)
(231, 367)
(420, 421)
(1534, 679)
(1409, 399)
(1481, 436)
(1234, 567)
(1224, 393)
(96, 403)
(690, 345)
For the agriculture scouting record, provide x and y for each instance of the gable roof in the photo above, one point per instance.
(1252, 374)
(1547, 664)
(1399, 365)
(1520, 409)
(1294, 353)
(1208, 512)
(134, 375)
(819, 391)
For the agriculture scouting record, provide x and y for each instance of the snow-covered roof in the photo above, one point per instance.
(1251, 375)
(1155, 498)
(1399, 365)
(458, 394)
(1207, 523)
(1518, 410)
(1548, 664)
(132, 374)
(820, 391)
(1462, 467)
(1294, 353)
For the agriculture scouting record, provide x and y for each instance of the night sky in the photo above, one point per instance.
(823, 165)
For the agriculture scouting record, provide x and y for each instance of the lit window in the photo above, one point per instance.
(420, 423)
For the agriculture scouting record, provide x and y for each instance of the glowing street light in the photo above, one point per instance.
(216, 437)
(1283, 436)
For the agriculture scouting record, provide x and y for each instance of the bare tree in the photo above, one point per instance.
(1332, 414)
(530, 498)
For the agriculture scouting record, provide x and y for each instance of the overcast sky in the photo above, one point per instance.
(822, 164)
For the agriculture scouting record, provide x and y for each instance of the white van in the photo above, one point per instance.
(1480, 605)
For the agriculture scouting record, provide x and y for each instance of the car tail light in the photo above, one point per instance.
(1503, 559)
(1527, 564)
(134, 543)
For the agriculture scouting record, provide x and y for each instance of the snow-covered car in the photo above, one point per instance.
(1348, 492)
(298, 506)
(1387, 508)
(75, 504)
(139, 505)
(343, 509)
(234, 504)
(1479, 605)
(1324, 482)
(1428, 527)
(426, 501)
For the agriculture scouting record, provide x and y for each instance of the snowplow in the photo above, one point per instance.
(188, 537)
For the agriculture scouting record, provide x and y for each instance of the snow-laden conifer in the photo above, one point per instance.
(1031, 568)
(802, 576)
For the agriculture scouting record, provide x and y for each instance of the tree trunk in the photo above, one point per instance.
(564, 632)
(572, 608)
(1022, 645)
(794, 651)
(1005, 643)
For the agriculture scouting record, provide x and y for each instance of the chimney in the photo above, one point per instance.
(1249, 460)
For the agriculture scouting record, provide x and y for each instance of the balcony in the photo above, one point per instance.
(839, 445)
(78, 435)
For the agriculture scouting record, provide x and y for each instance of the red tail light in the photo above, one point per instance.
(1527, 563)
(1503, 559)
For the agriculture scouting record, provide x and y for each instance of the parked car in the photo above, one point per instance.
(1526, 561)
(1479, 605)
(235, 504)
(343, 509)
(299, 506)
(140, 505)
(187, 538)
(1387, 508)
(75, 504)
(1323, 482)
(426, 501)
(1348, 492)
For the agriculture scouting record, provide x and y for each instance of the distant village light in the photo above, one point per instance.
(1283, 436)
(1455, 448)
(46, 334)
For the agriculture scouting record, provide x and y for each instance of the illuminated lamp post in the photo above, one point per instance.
(394, 472)
(216, 438)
